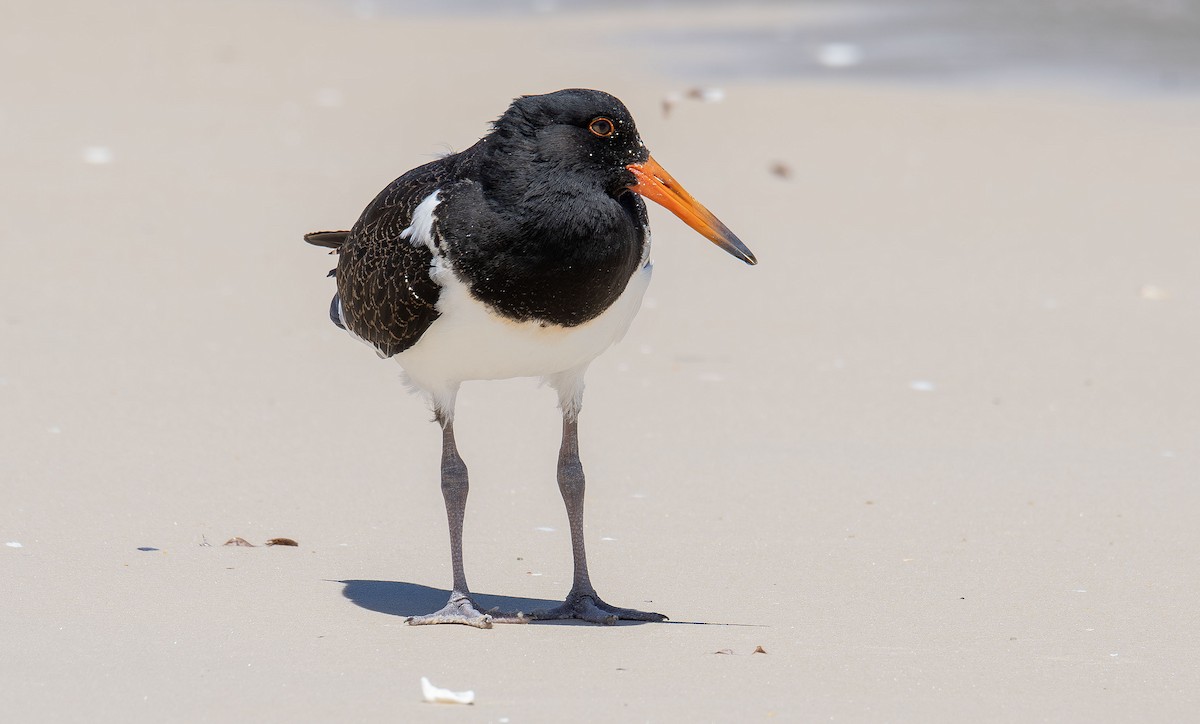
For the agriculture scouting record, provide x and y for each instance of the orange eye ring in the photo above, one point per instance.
(602, 127)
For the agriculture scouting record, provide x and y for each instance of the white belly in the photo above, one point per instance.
(471, 342)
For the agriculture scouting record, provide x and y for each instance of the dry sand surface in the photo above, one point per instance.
(937, 454)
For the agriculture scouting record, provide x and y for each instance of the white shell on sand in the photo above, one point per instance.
(437, 695)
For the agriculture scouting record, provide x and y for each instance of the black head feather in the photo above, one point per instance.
(548, 137)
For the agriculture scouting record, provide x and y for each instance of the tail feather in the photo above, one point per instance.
(331, 240)
(327, 239)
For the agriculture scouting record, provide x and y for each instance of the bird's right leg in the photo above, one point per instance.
(460, 608)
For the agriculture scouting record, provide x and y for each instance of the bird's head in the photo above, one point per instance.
(588, 138)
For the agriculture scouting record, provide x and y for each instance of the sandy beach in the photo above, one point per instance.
(936, 454)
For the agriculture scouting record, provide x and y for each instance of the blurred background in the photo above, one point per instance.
(1131, 45)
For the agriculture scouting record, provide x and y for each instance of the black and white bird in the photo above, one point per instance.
(526, 255)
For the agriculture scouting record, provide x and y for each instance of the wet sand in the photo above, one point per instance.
(936, 454)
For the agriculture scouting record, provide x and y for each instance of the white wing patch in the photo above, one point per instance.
(420, 231)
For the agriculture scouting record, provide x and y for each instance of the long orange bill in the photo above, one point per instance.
(656, 184)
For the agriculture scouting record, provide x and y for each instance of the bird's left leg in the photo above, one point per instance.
(582, 601)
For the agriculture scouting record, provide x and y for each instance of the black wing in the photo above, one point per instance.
(385, 292)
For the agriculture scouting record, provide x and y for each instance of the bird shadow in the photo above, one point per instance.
(400, 598)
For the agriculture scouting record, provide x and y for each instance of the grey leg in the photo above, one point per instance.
(460, 608)
(582, 601)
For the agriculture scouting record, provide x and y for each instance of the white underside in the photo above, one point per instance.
(471, 342)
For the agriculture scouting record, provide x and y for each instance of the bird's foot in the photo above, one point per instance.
(461, 609)
(587, 606)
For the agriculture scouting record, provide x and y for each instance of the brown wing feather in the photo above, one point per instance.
(387, 296)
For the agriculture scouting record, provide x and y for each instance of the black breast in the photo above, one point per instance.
(563, 263)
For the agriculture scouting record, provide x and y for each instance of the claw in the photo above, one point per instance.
(588, 611)
(588, 607)
(478, 620)
(460, 609)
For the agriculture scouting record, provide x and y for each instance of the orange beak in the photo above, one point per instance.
(656, 184)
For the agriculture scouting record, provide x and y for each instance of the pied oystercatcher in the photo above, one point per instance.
(526, 255)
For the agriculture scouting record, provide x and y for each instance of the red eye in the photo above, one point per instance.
(602, 127)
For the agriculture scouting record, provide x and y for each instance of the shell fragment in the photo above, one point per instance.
(437, 695)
